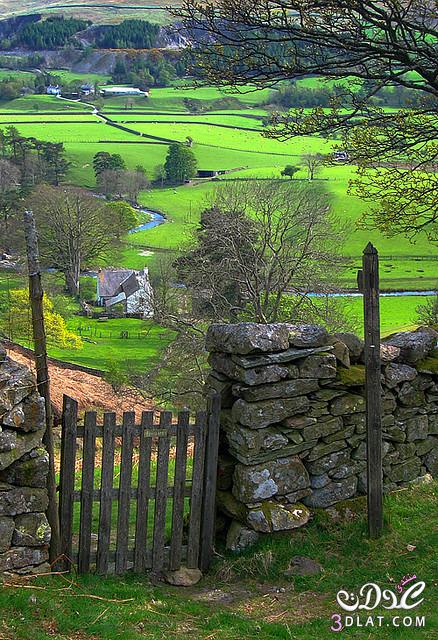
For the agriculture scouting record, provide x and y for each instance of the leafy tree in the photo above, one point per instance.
(180, 164)
(427, 313)
(104, 161)
(9, 192)
(375, 45)
(74, 230)
(119, 71)
(160, 174)
(17, 321)
(290, 170)
(54, 162)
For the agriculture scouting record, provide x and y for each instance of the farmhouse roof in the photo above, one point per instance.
(130, 285)
(111, 281)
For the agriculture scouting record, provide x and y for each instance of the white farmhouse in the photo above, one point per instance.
(132, 288)
(53, 90)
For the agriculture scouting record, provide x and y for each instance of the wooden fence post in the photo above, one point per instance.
(368, 281)
(42, 372)
(67, 478)
(210, 481)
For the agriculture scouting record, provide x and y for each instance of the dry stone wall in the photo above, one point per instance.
(24, 530)
(293, 418)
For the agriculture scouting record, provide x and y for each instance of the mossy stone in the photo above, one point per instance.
(352, 377)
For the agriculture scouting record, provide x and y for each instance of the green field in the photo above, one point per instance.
(36, 103)
(103, 345)
(406, 265)
(223, 139)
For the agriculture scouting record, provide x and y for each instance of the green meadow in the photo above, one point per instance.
(226, 130)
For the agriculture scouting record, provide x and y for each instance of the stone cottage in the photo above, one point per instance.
(131, 288)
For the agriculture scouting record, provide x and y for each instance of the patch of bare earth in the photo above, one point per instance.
(91, 392)
(268, 602)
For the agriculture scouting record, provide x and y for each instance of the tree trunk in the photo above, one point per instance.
(72, 280)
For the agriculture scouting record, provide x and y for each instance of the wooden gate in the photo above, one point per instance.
(138, 496)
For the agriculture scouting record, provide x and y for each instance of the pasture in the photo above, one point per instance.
(104, 347)
(223, 139)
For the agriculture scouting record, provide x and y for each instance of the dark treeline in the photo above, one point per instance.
(130, 34)
(24, 164)
(297, 96)
(48, 34)
(156, 69)
(37, 160)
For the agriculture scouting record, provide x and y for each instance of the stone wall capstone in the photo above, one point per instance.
(293, 418)
(24, 530)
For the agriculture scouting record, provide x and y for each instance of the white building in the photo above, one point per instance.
(132, 288)
(87, 89)
(123, 92)
(53, 90)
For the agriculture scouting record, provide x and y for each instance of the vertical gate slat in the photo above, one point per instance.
(106, 486)
(197, 491)
(178, 490)
(87, 487)
(144, 479)
(161, 494)
(210, 481)
(67, 476)
(124, 493)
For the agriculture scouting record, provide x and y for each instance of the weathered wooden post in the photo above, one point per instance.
(368, 282)
(42, 371)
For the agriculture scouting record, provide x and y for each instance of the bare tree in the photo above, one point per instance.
(313, 163)
(110, 183)
(370, 45)
(133, 182)
(260, 250)
(74, 229)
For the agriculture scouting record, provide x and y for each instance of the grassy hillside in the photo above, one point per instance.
(97, 10)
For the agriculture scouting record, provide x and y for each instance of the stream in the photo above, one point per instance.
(155, 221)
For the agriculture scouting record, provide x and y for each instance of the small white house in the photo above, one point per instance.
(132, 288)
(115, 92)
(87, 89)
(53, 90)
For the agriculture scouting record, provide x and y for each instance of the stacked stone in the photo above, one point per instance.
(24, 530)
(293, 418)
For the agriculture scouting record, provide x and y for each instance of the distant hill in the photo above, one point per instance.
(98, 11)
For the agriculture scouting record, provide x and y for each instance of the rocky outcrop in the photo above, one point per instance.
(293, 419)
(24, 530)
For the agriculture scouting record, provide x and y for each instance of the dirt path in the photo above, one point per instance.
(91, 392)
